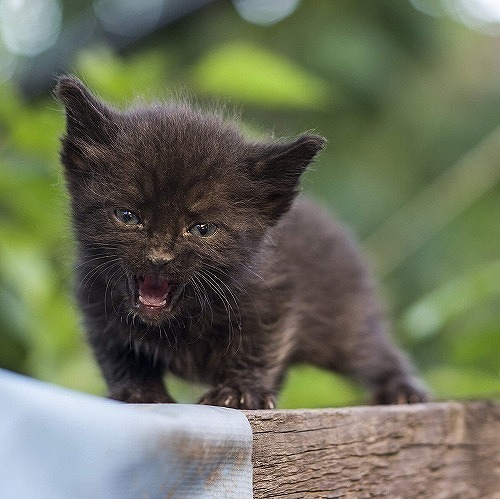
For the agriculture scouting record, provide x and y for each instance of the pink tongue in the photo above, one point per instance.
(153, 291)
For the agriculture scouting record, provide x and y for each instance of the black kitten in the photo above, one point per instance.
(195, 259)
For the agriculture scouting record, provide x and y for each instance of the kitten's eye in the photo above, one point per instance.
(203, 230)
(127, 217)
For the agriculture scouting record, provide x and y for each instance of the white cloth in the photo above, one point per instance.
(60, 444)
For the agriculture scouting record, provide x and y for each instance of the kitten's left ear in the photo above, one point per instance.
(278, 167)
(86, 116)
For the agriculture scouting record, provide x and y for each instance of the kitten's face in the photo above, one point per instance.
(175, 221)
(178, 201)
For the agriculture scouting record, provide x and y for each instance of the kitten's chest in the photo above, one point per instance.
(202, 360)
(195, 352)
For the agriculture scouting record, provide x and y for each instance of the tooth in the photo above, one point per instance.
(149, 304)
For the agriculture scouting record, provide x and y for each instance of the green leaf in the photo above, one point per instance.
(428, 315)
(247, 73)
(123, 80)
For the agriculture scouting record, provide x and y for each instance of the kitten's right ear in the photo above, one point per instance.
(86, 116)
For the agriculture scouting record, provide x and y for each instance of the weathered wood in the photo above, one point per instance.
(437, 450)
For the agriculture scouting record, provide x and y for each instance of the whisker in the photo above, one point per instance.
(220, 288)
(202, 295)
(93, 275)
(110, 286)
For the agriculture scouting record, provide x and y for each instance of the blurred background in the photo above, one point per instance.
(407, 93)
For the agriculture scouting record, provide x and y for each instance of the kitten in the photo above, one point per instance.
(196, 259)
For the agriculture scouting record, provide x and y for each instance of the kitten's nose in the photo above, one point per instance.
(159, 259)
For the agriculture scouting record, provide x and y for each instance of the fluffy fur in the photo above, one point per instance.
(196, 259)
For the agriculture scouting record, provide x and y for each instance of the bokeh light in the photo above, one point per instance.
(29, 28)
(482, 15)
(265, 12)
(129, 17)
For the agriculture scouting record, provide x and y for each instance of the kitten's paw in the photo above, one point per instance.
(140, 396)
(226, 396)
(401, 392)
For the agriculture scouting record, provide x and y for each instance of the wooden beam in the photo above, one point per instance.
(436, 450)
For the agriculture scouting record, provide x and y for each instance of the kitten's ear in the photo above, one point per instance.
(278, 167)
(289, 159)
(86, 116)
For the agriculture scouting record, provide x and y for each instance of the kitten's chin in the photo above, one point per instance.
(153, 315)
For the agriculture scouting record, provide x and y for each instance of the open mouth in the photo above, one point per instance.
(154, 294)
(153, 291)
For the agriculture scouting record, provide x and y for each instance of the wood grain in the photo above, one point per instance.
(436, 450)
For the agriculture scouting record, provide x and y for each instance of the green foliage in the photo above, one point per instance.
(122, 80)
(249, 74)
(410, 112)
(308, 386)
(428, 316)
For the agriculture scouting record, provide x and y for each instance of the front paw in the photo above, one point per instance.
(226, 396)
(136, 395)
(400, 392)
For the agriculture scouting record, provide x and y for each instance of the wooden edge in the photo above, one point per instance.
(433, 450)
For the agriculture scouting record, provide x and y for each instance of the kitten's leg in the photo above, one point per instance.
(349, 334)
(355, 342)
(130, 375)
(391, 380)
(251, 381)
(255, 374)
(136, 380)
(379, 365)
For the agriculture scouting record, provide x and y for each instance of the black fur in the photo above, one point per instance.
(278, 281)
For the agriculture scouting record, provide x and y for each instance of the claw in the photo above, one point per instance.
(228, 400)
(415, 398)
(402, 399)
(269, 402)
